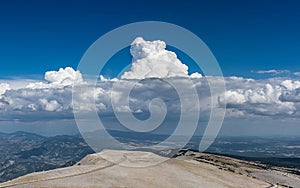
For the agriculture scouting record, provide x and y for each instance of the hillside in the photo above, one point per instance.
(188, 169)
(23, 153)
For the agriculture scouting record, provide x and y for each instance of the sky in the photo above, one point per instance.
(245, 36)
(256, 44)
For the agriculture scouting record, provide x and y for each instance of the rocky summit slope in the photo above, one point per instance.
(125, 169)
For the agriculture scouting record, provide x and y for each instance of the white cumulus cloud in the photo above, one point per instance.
(61, 78)
(3, 88)
(260, 97)
(151, 59)
(291, 84)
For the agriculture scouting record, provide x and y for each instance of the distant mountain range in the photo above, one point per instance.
(22, 153)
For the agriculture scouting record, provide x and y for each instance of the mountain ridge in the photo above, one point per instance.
(116, 168)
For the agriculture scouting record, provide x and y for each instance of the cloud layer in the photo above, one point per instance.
(274, 97)
(243, 98)
(261, 97)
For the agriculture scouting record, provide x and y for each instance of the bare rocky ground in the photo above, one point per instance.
(188, 169)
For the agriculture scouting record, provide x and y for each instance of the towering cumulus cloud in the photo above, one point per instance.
(151, 59)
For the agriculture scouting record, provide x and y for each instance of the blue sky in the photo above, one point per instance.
(250, 39)
(37, 36)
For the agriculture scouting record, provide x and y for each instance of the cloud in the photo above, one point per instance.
(27, 101)
(291, 96)
(61, 78)
(196, 75)
(297, 73)
(261, 97)
(291, 84)
(152, 60)
(52, 95)
(50, 106)
(232, 98)
(291, 92)
(3, 88)
(274, 72)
